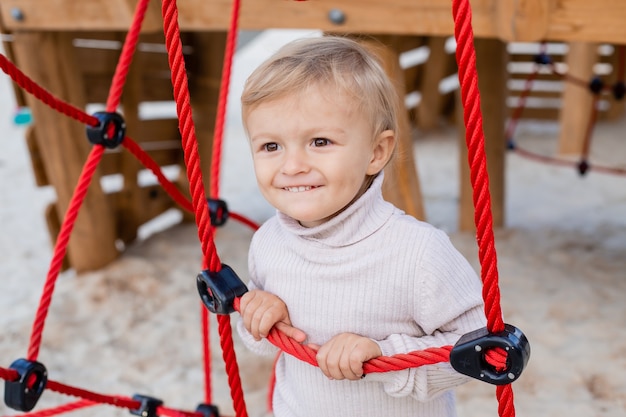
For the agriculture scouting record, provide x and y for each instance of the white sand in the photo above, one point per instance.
(133, 327)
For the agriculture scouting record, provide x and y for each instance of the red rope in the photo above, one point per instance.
(194, 173)
(86, 176)
(470, 96)
(60, 249)
(218, 136)
(77, 405)
(93, 397)
(126, 57)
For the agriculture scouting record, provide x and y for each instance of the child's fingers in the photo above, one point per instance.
(293, 332)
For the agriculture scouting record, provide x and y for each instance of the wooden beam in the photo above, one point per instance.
(48, 59)
(528, 20)
(491, 60)
(569, 20)
(577, 100)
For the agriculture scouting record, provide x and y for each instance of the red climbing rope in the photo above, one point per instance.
(194, 173)
(475, 141)
(474, 136)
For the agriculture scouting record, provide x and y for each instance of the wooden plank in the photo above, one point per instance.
(153, 199)
(528, 19)
(491, 60)
(568, 20)
(47, 58)
(204, 89)
(153, 89)
(577, 102)
(363, 16)
(111, 162)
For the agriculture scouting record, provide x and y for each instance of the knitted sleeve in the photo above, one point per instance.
(447, 304)
(263, 346)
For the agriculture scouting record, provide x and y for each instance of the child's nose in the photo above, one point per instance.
(295, 162)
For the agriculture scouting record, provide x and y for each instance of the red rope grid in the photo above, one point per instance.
(475, 140)
(583, 165)
(80, 191)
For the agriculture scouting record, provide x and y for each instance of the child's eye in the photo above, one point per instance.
(271, 147)
(319, 142)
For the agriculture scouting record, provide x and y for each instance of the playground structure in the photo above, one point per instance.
(71, 48)
(402, 181)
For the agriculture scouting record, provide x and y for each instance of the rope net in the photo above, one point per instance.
(475, 141)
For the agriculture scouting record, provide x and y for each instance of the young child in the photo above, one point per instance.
(338, 267)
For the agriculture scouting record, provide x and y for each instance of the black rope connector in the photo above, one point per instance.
(543, 59)
(110, 132)
(218, 290)
(148, 407)
(23, 393)
(583, 167)
(596, 85)
(208, 410)
(468, 355)
(619, 90)
(218, 211)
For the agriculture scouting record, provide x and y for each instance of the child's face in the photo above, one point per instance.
(312, 152)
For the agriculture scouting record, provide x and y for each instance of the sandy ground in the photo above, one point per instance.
(133, 327)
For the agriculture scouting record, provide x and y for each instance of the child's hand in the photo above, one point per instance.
(262, 310)
(342, 356)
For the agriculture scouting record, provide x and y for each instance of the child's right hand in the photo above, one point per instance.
(261, 310)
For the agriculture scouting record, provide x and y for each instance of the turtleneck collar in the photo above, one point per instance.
(358, 221)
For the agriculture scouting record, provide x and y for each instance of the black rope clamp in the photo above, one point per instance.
(148, 407)
(23, 393)
(619, 90)
(110, 132)
(208, 410)
(543, 59)
(468, 355)
(218, 211)
(596, 85)
(218, 290)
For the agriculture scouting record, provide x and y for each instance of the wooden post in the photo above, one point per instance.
(206, 73)
(491, 60)
(47, 57)
(577, 100)
(401, 186)
(429, 109)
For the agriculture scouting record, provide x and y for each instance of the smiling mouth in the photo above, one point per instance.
(299, 189)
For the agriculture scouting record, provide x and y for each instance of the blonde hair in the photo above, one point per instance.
(331, 61)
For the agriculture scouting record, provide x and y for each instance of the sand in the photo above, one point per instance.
(133, 327)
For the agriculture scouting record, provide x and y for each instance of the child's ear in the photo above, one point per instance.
(384, 146)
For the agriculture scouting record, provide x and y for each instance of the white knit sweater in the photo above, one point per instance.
(377, 272)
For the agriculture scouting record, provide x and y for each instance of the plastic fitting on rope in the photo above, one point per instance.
(596, 85)
(468, 354)
(583, 167)
(23, 393)
(543, 59)
(218, 211)
(110, 132)
(148, 407)
(619, 90)
(208, 410)
(218, 290)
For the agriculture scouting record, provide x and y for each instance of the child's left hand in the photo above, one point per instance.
(342, 357)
